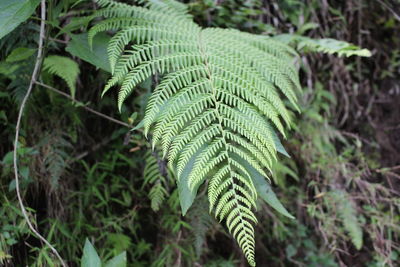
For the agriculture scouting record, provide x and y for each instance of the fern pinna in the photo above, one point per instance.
(155, 174)
(217, 106)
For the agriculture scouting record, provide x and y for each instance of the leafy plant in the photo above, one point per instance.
(96, 182)
(90, 258)
(208, 112)
(218, 105)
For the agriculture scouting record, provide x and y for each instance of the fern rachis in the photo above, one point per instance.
(217, 104)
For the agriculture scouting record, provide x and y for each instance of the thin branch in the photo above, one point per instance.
(394, 13)
(84, 107)
(18, 126)
(58, 41)
(355, 136)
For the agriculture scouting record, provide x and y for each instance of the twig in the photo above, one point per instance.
(84, 107)
(390, 173)
(178, 251)
(389, 168)
(18, 126)
(355, 136)
(395, 15)
(58, 41)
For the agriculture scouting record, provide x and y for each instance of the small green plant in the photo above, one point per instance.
(90, 258)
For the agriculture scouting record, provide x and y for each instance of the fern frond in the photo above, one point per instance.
(154, 176)
(324, 45)
(348, 215)
(65, 68)
(167, 6)
(200, 221)
(220, 99)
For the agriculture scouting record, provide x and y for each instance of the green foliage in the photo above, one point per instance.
(325, 45)
(20, 53)
(331, 46)
(200, 221)
(349, 216)
(243, 15)
(217, 84)
(82, 176)
(55, 158)
(14, 12)
(97, 55)
(16, 67)
(12, 228)
(313, 256)
(157, 178)
(266, 193)
(65, 68)
(90, 258)
(117, 261)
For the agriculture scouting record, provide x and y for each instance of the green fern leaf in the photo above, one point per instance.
(219, 103)
(154, 176)
(324, 45)
(348, 215)
(200, 222)
(65, 68)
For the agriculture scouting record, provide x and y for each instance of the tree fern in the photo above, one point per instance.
(219, 102)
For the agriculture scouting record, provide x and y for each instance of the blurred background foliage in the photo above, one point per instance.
(86, 177)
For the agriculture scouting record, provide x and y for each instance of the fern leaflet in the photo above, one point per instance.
(348, 216)
(65, 68)
(324, 45)
(154, 176)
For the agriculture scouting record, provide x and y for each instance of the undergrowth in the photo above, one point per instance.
(94, 185)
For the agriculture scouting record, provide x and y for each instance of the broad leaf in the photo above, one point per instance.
(117, 261)
(20, 53)
(96, 56)
(14, 12)
(265, 192)
(90, 257)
